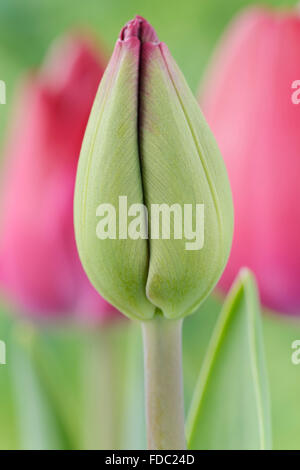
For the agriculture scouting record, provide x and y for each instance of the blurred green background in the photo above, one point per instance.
(191, 29)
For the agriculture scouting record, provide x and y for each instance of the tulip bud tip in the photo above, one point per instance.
(139, 28)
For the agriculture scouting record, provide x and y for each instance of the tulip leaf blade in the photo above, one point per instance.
(230, 408)
(40, 421)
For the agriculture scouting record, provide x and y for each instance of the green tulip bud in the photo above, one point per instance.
(153, 206)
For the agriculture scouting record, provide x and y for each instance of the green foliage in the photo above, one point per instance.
(190, 30)
(230, 407)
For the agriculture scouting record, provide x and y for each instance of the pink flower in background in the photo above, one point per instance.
(40, 269)
(247, 99)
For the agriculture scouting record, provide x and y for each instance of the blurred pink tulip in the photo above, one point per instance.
(247, 99)
(39, 266)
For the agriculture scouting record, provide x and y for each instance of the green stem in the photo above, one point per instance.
(163, 384)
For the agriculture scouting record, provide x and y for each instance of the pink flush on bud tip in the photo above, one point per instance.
(139, 28)
(40, 269)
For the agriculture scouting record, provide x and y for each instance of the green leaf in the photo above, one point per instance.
(52, 372)
(230, 407)
(42, 417)
(112, 378)
(36, 422)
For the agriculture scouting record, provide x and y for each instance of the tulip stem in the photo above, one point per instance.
(163, 384)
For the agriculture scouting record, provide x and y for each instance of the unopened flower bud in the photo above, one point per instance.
(153, 208)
